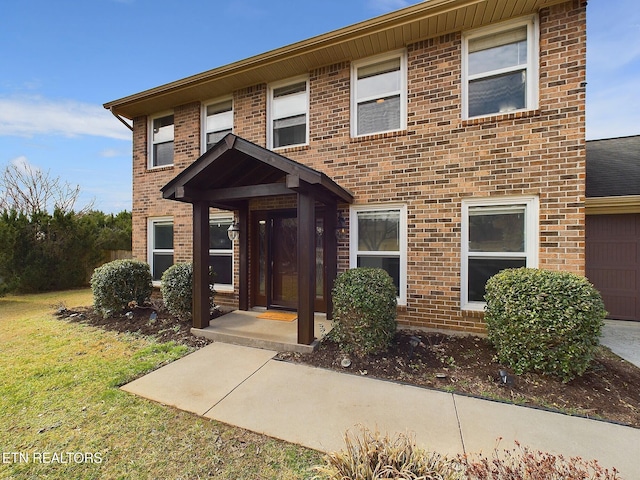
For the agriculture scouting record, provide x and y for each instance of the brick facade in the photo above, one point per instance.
(431, 166)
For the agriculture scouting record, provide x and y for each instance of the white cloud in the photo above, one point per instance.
(22, 164)
(112, 153)
(27, 116)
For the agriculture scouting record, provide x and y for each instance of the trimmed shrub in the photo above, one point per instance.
(369, 456)
(544, 321)
(177, 290)
(118, 283)
(364, 311)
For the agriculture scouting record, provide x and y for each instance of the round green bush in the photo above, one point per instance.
(176, 288)
(364, 311)
(118, 283)
(544, 321)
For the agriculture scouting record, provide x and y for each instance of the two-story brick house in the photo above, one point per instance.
(442, 142)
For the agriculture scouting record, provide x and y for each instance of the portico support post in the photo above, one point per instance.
(200, 312)
(331, 255)
(243, 287)
(306, 266)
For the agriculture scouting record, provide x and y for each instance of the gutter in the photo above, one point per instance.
(124, 122)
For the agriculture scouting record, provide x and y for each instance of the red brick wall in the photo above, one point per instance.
(431, 166)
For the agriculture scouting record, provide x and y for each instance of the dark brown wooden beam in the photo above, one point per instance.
(330, 254)
(201, 293)
(246, 192)
(306, 266)
(243, 287)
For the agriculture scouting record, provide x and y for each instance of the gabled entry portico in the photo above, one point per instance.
(228, 176)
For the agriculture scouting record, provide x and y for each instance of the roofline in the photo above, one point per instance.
(612, 138)
(381, 22)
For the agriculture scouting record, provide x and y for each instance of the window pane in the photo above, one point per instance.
(379, 115)
(215, 137)
(503, 50)
(379, 231)
(290, 131)
(220, 107)
(390, 264)
(162, 154)
(502, 93)
(161, 261)
(163, 129)
(379, 79)
(220, 121)
(497, 232)
(482, 269)
(223, 268)
(163, 236)
(218, 236)
(289, 89)
(290, 105)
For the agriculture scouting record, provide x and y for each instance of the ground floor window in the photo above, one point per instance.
(379, 239)
(221, 252)
(496, 234)
(160, 240)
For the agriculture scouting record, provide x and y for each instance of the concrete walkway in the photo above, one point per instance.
(246, 387)
(623, 338)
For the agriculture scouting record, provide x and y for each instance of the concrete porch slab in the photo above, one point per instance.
(245, 328)
(201, 379)
(314, 407)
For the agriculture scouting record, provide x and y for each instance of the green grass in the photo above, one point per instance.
(60, 401)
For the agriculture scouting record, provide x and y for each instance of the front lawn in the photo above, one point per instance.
(63, 416)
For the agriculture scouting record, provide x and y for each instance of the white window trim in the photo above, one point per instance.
(402, 54)
(531, 236)
(223, 287)
(533, 62)
(203, 116)
(150, 250)
(353, 240)
(271, 87)
(150, 143)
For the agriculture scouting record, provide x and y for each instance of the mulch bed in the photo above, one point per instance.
(609, 390)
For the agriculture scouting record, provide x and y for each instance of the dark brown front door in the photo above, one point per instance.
(284, 262)
(275, 264)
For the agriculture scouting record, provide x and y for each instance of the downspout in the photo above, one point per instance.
(124, 122)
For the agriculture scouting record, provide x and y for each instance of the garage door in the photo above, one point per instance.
(613, 262)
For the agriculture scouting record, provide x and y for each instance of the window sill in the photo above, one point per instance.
(294, 148)
(473, 307)
(160, 169)
(500, 117)
(378, 136)
(223, 288)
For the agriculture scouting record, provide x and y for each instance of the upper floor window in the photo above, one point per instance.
(288, 114)
(218, 122)
(496, 234)
(379, 95)
(500, 69)
(161, 141)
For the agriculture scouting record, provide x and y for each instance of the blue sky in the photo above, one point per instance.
(61, 60)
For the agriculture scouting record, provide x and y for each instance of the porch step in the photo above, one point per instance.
(246, 329)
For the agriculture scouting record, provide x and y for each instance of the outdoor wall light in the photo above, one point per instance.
(341, 227)
(233, 231)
